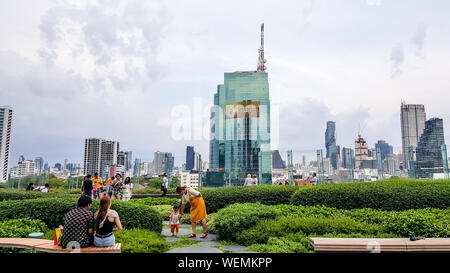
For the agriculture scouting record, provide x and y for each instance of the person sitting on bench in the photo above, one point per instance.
(78, 225)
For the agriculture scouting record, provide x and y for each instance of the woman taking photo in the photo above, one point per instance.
(128, 190)
(105, 218)
(198, 208)
(117, 187)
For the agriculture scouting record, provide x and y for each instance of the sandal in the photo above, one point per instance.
(204, 235)
(192, 235)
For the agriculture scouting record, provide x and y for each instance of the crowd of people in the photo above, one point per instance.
(114, 187)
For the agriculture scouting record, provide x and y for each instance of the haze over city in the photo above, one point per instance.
(116, 69)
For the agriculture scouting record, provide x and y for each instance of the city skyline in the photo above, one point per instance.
(319, 63)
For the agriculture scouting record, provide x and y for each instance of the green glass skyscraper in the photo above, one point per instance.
(240, 126)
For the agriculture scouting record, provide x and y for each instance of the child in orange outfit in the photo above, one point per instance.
(174, 220)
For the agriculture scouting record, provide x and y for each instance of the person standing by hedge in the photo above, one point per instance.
(117, 187)
(108, 186)
(198, 208)
(105, 218)
(249, 181)
(97, 185)
(128, 190)
(87, 186)
(164, 185)
(78, 225)
(314, 180)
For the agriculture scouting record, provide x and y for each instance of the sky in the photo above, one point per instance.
(123, 70)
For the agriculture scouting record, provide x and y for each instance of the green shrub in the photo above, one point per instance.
(11, 194)
(152, 201)
(290, 244)
(52, 211)
(420, 223)
(141, 241)
(219, 198)
(164, 211)
(238, 217)
(285, 225)
(316, 211)
(385, 195)
(21, 228)
(150, 190)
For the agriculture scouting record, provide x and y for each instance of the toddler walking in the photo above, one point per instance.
(174, 220)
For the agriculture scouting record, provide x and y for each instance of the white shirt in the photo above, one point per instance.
(248, 181)
(314, 181)
(185, 197)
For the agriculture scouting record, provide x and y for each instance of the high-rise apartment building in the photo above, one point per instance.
(122, 159)
(163, 162)
(190, 158)
(6, 113)
(330, 144)
(197, 162)
(129, 155)
(361, 151)
(429, 149)
(26, 168)
(412, 119)
(99, 154)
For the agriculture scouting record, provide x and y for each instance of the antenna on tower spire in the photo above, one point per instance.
(261, 60)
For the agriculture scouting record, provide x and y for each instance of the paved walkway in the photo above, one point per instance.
(206, 245)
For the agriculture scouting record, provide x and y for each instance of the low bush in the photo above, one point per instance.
(384, 195)
(219, 198)
(21, 228)
(164, 211)
(285, 225)
(52, 211)
(11, 194)
(238, 217)
(293, 243)
(141, 241)
(152, 201)
(150, 190)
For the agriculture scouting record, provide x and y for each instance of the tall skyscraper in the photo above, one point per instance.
(122, 159)
(129, 155)
(385, 149)
(6, 113)
(361, 151)
(277, 161)
(39, 165)
(197, 162)
(98, 155)
(429, 149)
(348, 157)
(190, 158)
(330, 144)
(240, 125)
(163, 162)
(26, 168)
(413, 119)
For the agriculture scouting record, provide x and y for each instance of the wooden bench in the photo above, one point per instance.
(48, 246)
(379, 245)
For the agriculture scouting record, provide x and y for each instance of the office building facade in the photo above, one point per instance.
(330, 144)
(429, 149)
(385, 149)
(190, 158)
(412, 119)
(6, 114)
(348, 157)
(277, 161)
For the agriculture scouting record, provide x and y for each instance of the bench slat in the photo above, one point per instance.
(48, 246)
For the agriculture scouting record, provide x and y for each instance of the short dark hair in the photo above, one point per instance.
(95, 173)
(180, 188)
(47, 185)
(88, 176)
(118, 175)
(84, 201)
(176, 207)
(314, 174)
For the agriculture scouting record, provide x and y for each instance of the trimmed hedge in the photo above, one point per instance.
(52, 211)
(238, 217)
(218, 198)
(21, 228)
(11, 194)
(141, 241)
(385, 195)
(285, 225)
(152, 201)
